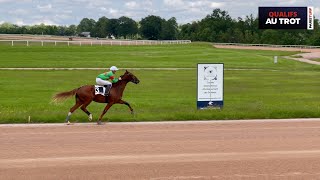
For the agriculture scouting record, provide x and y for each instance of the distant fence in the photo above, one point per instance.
(269, 45)
(91, 43)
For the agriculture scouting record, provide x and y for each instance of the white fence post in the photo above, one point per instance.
(41, 43)
(11, 43)
(55, 43)
(27, 43)
(80, 43)
(91, 43)
(68, 43)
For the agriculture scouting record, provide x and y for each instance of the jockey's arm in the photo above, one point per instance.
(113, 79)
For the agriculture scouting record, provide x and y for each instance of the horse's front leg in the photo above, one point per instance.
(108, 106)
(126, 103)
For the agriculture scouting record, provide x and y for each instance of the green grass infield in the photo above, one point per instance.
(163, 95)
(254, 86)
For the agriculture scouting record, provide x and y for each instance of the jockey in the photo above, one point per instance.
(105, 78)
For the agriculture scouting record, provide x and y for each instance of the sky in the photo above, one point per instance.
(67, 12)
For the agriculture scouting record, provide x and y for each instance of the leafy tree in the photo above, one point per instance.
(315, 39)
(151, 27)
(169, 29)
(101, 27)
(270, 36)
(218, 23)
(190, 31)
(238, 36)
(127, 27)
(112, 27)
(71, 30)
(86, 25)
(7, 28)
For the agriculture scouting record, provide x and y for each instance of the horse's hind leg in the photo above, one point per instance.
(84, 109)
(76, 106)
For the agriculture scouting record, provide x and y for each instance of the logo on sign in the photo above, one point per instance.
(210, 73)
(286, 18)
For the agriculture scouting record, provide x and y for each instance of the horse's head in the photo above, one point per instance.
(128, 76)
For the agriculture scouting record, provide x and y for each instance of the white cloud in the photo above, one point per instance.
(82, 1)
(316, 10)
(174, 3)
(113, 12)
(45, 8)
(131, 5)
(12, 1)
(151, 11)
(216, 4)
(44, 21)
(291, 2)
(103, 9)
(62, 16)
(197, 4)
(194, 6)
(19, 22)
(18, 12)
(68, 11)
(94, 4)
(148, 3)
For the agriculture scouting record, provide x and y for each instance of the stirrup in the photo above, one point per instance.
(108, 88)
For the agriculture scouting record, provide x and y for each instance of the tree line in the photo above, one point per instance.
(151, 27)
(215, 27)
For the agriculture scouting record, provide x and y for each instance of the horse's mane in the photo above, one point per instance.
(117, 83)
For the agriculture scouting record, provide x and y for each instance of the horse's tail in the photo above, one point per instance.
(64, 95)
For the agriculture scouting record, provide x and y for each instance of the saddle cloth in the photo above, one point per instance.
(99, 90)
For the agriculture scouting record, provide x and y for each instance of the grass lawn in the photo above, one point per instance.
(254, 87)
(163, 95)
(136, 56)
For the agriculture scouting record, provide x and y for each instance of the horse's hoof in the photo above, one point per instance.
(100, 123)
(69, 123)
(90, 117)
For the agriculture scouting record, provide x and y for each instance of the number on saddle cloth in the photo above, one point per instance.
(100, 90)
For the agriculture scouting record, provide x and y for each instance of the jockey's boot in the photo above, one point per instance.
(108, 87)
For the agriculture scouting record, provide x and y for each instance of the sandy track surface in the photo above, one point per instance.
(268, 48)
(276, 149)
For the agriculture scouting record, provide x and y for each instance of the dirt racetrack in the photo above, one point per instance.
(306, 50)
(259, 149)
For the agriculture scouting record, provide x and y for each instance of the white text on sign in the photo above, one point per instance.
(283, 21)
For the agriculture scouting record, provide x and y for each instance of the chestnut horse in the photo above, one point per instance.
(86, 94)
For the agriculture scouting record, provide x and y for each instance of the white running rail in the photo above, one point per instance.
(91, 43)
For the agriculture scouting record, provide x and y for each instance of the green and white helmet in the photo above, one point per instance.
(114, 68)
